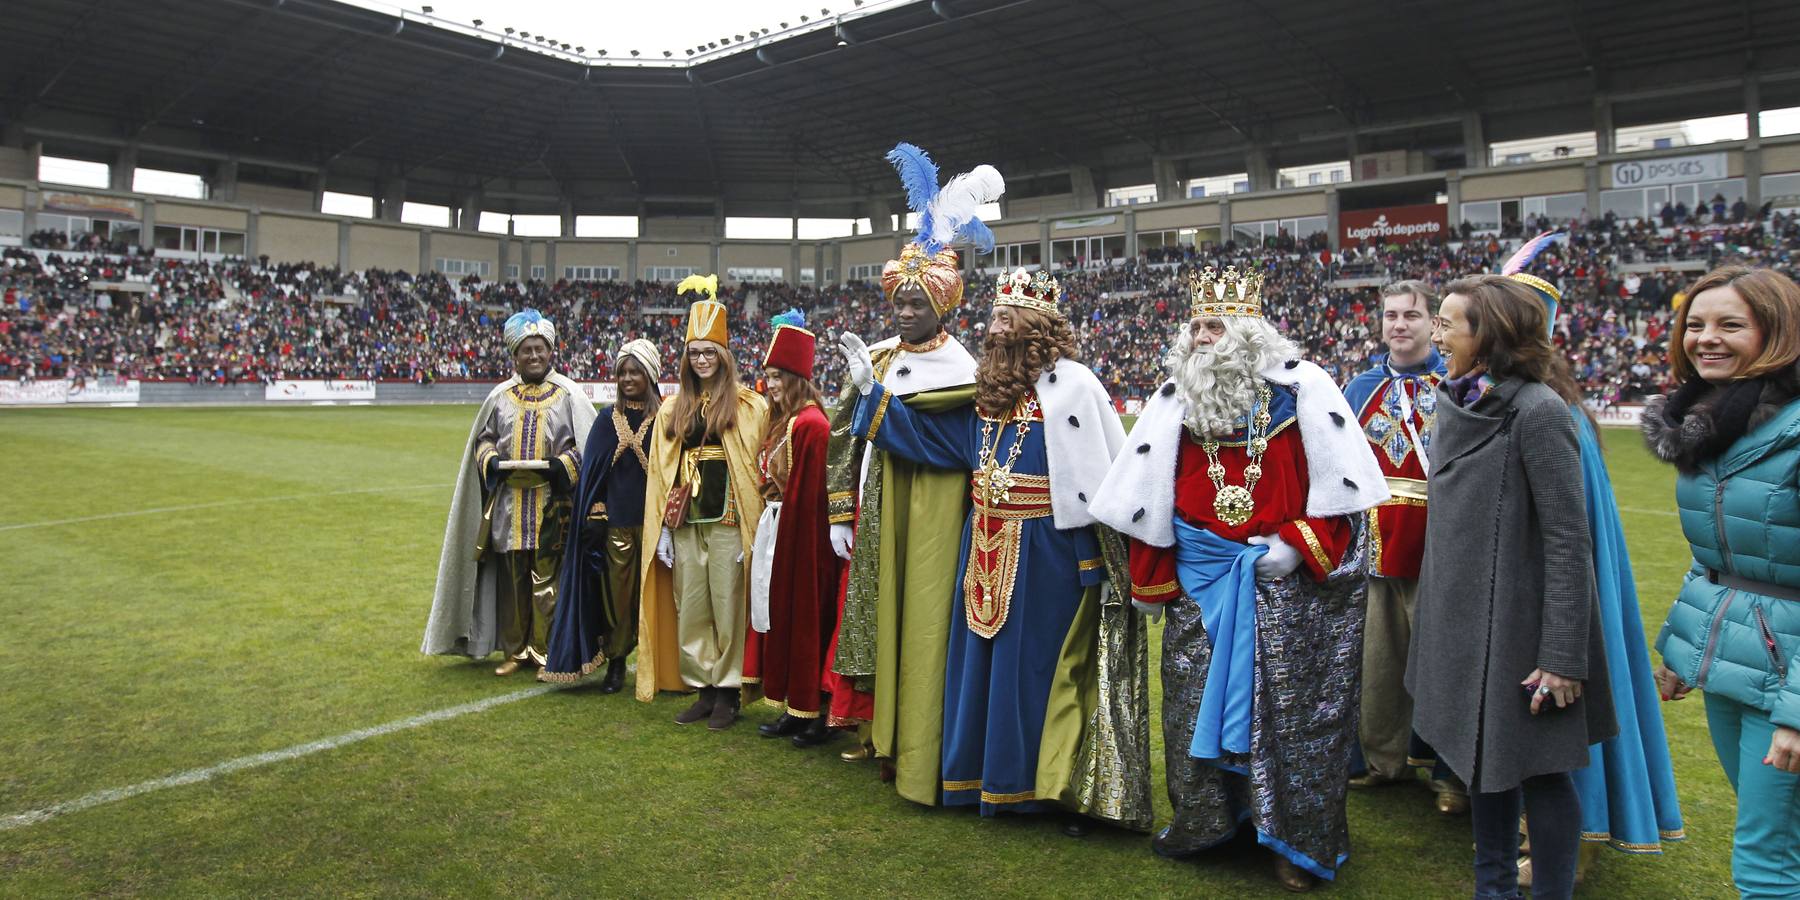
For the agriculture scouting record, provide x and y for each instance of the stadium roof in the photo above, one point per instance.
(798, 123)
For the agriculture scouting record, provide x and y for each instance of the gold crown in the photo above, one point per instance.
(1029, 290)
(1233, 293)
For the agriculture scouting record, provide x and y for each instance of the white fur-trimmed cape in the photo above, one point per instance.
(1137, 496)
(1082, 433)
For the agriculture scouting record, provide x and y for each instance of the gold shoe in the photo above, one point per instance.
(507, 668)
(858, 753)
(1524, 872)
(1292, 878)
(1450, 803)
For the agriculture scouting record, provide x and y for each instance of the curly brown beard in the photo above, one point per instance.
(1011, 362)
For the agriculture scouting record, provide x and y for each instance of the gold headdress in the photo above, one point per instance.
(938, 274)
(1229, 294)
(1029, 290)
(706, 318)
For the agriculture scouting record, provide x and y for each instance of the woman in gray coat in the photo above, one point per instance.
(1507, 667)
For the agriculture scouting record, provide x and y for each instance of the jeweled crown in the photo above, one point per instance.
(1231, 293)
(1029, 290)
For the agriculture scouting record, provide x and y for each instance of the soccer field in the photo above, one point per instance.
(189, 588)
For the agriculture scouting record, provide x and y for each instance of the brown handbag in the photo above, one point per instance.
(675, 508)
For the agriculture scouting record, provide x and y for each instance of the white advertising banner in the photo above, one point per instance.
(319, 391)
(601, 393)
(1620, 415)
(33, 393)
(1670, 170)
(104, 390)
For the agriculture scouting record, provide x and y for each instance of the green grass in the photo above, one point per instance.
(143, 646)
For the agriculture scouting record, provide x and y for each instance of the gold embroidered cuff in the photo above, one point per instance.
(570, 466)
(880, 411)
(1001, 799)
(1312, 543)
(1089, 565)
(1156, 591)
(973, 785)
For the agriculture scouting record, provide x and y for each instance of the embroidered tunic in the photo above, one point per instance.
(526, 425)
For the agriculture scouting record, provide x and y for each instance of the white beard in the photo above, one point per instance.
(1219, 382)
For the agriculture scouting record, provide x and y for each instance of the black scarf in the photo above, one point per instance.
(1701, 420)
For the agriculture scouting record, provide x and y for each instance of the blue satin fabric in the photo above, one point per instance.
(1220, 575)
(1628, 789)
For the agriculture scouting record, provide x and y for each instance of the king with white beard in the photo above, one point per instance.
(1241, 488)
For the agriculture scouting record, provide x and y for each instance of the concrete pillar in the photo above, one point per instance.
(819, 266)
(1475, 147)
(318, 191)
(343, 260)
(1591, 172)
(1453, 201)
(1753, 167)
(224, 182)
(33, 199)
(468, 212)
(425, 258)
(1604, 137)
(631, 262)
(390, 199)
(1224, 221)
(879, 213)
(1086, 189)
(836, 260)
(147, 232)
(505, 260)
(566, 211)
(551, 272)
(124, 167)
(794, 258)
(712, 259)
(1166, 173)
(252, 240)
(1333, 202)
(1131, 237)
(1260, 169)
(1753, 109)
(1044, 243)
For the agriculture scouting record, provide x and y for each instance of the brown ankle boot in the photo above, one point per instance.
(703, 707)
(725, 709)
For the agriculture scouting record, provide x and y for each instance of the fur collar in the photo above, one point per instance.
(1698, 422)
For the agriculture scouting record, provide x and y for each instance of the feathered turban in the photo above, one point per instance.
(528, 323)
(945, 215)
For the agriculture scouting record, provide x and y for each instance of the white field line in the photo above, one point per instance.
(195, 776)
(215, 505)
(1648, 512)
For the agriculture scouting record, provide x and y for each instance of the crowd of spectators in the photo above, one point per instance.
(82, 315)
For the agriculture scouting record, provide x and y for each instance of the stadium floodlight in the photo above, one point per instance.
(425, 9)
(824, 12)
(477, 23)
(804, 20)
(712, 45)
(580, 49)
(634, 53)
(525, 35)
(784, 26)
(509, 30)
(667, 54)
(690, 51)
(740, 37)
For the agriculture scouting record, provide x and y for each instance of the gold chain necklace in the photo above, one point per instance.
(1234, 504)
(997, 482)
(993, 556)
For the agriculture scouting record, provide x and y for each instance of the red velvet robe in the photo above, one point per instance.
(789, 661)
(1280, 498)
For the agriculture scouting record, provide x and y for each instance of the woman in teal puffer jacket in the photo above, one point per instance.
(1732, 429)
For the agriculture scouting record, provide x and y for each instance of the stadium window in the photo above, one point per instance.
(428, 214)
(667, 273)
(1543, 149)
(203, 242)
(1780, 192)
(12, 223)
(512, 271)
(492, 222)
(1307, 227)
(1482, 216)
(1339, 175)
(1772, 122)
(591, 273)
(807, 276)
(865, 272)
(78, 172)
(353, 205)
(170, 184)
(1687, 133)
(538, 226)
(1558, 208)
(537, 273)
(1219, 185)
(461, 268)
(751, 228)
(818, 229)
(1127, 196)
(606, 226)
(754, 273)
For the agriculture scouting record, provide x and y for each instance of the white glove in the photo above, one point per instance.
(1151, 611)
(843, 538)
(665, 549)
(1279, 562)
(856, 360)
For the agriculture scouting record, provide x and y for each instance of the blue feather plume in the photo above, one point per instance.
(792, 317)
(918, 174)
(978, 233)
(1529, 251)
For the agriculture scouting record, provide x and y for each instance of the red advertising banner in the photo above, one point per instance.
(1394, 224)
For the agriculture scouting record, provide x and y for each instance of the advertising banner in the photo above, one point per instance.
(104, 390)
(1670, 170)
(319, 391)
(33, 393)
(1394, 224)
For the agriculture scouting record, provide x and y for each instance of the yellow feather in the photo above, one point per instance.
(704, 284)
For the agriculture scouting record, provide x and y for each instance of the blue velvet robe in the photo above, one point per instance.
(995, 691)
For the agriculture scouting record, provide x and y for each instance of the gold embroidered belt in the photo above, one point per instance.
(690, 464)
(994, 535)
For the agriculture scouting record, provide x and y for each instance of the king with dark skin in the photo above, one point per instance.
(634, 383)
(532, 360)
(916, 317)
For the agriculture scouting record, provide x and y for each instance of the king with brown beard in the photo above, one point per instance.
(1045, 683)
